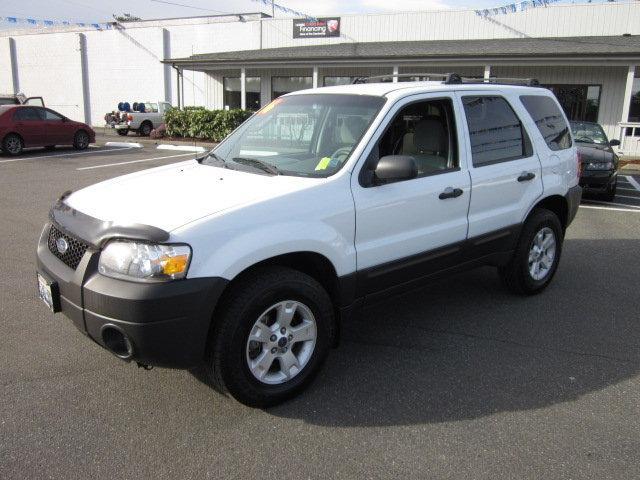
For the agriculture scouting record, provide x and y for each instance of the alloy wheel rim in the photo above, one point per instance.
(82, 140)
(13, 145)
(281, 342)
(542, 253)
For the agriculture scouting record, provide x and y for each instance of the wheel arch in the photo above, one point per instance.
(14, 133)
(314, 264)
(556, 204)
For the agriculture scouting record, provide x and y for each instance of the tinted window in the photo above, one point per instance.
(9, 101)
(495, 131)
(50, 115)
(549, 120)
(26, 114)
(425, 131)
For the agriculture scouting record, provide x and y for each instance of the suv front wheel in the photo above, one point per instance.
(537, 254)
(271, 337)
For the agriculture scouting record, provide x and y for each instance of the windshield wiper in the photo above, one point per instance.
(216, 157)
(262, 165)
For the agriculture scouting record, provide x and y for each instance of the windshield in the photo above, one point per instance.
(304, 135)
(589, 133)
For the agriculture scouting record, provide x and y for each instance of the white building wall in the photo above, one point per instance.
(552, 21)
(6, 80)
(49, 66)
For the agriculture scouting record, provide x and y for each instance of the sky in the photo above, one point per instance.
(95, 11)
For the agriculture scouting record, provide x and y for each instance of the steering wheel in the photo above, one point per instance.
(341, 154)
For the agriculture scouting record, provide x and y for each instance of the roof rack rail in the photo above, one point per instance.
(445, 77)
(453, 78)
(528, 82)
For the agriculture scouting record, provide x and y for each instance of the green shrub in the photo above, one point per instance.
(198, 122)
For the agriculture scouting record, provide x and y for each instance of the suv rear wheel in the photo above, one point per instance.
(272, 336)
(537, 254)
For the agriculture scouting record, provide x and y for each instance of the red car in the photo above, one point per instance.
(27, 126)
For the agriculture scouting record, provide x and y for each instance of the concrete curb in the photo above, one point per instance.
(181, 148)
(123, 144)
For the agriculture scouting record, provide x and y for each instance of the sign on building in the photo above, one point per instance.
(320, 27)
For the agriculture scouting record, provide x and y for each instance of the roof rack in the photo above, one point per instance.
(445, 77)
(452, 78)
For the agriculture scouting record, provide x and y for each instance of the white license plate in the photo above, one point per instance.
(47, 293)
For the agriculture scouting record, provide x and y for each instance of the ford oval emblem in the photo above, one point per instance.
(62, 245)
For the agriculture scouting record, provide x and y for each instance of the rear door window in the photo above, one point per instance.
(549, 120)
(495, 131)
(26, 114)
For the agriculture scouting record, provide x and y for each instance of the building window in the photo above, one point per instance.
(231, 99)
(333, 81)
(283, 85)
(579, 102)
(495, 131)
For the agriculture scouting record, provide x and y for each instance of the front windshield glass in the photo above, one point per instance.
(584, 132)
(304, 135)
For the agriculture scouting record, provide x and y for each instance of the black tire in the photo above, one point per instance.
(122, 131)
(516, 275)
(145, 129)
(610, 194)
(241, 307)
(81, 140)
(12, 144)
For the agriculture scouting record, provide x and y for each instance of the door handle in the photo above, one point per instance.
(526, 176)
(450, 192)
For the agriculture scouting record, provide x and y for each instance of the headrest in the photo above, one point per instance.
(430, 135)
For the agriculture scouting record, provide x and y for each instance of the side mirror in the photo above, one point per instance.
(614, 143)
(395, 168)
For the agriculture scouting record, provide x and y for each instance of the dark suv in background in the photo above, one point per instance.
(599, 161)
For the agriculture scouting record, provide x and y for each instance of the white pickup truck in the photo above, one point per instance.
(143, 122)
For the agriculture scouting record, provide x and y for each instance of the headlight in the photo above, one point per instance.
(144, 262)
(599, 166)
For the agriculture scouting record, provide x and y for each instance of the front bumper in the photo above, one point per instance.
(597, 180)
(164, 324)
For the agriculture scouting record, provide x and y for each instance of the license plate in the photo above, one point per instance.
(48, 293)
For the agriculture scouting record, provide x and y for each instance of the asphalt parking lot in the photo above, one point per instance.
(458, 380)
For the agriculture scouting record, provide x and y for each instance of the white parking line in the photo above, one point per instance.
(134, 161)
(110, 150)
(626, 189)
(627, 196)
(633, 182)
(632, 207)
(593, 207)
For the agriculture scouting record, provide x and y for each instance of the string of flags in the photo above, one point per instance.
(282, 9)
(514, 7)
(34, 22)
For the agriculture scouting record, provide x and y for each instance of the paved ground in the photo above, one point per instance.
(458, 380)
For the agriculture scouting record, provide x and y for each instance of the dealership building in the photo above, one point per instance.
(588, 54)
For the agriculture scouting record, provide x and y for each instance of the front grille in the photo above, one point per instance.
(75, 250)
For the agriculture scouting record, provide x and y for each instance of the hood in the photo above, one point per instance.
(591, 152)
(171, 196)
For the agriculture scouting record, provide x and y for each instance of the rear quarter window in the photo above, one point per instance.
(549, 120)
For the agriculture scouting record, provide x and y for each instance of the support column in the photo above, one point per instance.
(14, 65)
(243, 88)
(631, 73)
(84, 67)
(315, 77)
(487, 73)
(166, 68)
(395, 74)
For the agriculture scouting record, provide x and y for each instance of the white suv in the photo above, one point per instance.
(247, 260)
